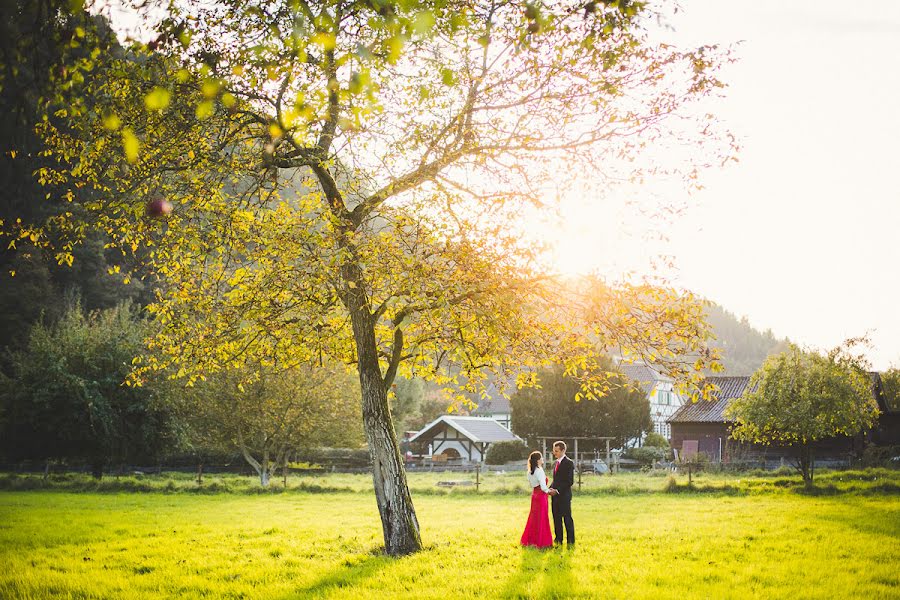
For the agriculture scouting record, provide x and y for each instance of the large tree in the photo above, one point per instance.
(348, 175)
(798, 398)
(622, 412)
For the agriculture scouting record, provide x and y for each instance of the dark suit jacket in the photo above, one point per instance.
(564, 477)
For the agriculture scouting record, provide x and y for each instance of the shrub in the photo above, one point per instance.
(503, 452)
(656, 440)
(880, 456)
(646, 455)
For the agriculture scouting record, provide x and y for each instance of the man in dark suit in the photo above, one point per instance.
(561, 492)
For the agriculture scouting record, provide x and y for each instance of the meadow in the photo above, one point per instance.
(639, 536)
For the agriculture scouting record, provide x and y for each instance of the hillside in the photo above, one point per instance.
(743, 347)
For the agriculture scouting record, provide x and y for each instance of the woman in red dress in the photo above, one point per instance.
(537, 529)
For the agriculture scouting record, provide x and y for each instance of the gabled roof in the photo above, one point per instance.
(492, 403)
(477, 429)
(643, 375)
(712, 411)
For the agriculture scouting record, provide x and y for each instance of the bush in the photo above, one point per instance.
(880, 456)
(656, 440)
(356, 458)
(503, 452)
(646, 455)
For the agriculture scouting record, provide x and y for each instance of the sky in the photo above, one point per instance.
(801, 235)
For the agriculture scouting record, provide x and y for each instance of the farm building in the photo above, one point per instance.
(703, 427)
(462, 437)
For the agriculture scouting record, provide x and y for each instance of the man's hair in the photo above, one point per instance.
(560, 445)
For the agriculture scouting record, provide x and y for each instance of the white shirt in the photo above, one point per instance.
(538, 478)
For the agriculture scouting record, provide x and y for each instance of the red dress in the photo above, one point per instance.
(537, 529)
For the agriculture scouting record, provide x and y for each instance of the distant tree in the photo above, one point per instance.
(552, 409)
(406, 402)
(66, 397)
(801, 397)
(503, 452)
(268, 413)
(656, 440)
(890, 385)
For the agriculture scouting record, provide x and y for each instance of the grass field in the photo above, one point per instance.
(744, 541)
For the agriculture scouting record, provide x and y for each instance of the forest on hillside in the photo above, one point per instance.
(743, 347)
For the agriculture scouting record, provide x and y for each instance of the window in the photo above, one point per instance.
(663, 397)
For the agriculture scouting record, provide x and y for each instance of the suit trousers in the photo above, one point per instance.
(562, 515)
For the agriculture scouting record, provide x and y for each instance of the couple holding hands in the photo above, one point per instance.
(537, 529)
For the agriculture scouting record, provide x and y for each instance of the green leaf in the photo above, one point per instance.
(423, 22)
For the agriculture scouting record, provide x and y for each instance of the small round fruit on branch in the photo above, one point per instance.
(158, 207)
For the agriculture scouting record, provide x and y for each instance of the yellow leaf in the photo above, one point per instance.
(158, 98)
(324, 39)
(131, 144)
(423, 22)
(111, 121)
(204, 109)
(211, 88)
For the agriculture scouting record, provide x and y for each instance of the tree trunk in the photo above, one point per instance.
(261, 467)
(804, 463)
(398, 517)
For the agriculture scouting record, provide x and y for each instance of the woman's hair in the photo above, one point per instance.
(533, 459)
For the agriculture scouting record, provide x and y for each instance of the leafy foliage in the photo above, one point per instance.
(656, 440)
(800, 397)
(890, 385)
(742, 347)
(646, 455)
(500, 453)
(274, 415)
(66, 398)
(555, 410)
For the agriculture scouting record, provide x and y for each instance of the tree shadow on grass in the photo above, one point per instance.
(531, 566)
(348, 573)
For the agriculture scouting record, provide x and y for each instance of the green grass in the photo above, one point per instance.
(761, 543)
(873, 481)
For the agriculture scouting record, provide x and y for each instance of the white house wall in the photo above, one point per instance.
(439, 443)
(660, 413)
(463, 451)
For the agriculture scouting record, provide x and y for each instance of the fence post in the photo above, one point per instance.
(477, 478)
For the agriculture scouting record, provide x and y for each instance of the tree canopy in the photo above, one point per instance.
(346, 178)
(66, 396)
(554, 409)
(799, 397)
